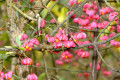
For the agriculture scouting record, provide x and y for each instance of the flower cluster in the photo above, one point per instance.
(82, 53)
(66, 55)
(28, 44)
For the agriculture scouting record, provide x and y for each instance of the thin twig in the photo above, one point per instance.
(51, 8)
(47, 76)
(104, 29)
(111, 6)
(25, 15)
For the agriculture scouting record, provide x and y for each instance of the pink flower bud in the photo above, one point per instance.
(107, 73)
(79, 74)
(73, 16)
(31, 1)
(37, 64)
(23, 37)
(50, 39)
(8, 75)
(71, 2)
(112, 15)
(103, 37)
(42, 23)
(2, 75)
(32, 77)
(52, 21)
(86, 74)
(27, 61)
(76, 20)
(59, 62)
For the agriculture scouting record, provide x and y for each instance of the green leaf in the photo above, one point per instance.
(60, 78)
(4, 56)
(41, 76)
(117, 1)
(16, 76)
(21, 48)
(18, 40)
(8, 46)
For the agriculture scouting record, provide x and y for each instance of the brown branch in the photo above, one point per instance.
(42, 47)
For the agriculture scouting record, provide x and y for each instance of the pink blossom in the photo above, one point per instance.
(106, 73)
(37, 64)
(114, 43)
(31, 1)
(81, 36)
(32, 77)
(103, 24)
(102, 11)
(119, 63)
(27, 61)
(76, 20)
(112, 15)
(50, 39)
(46, 36)
(112, 28)
(118, 28)
(8, 75)
(61, 37)
(79, 74)
(90, 12)
(105, 10)
(2, 75)
(96, 17)
(86, 74)
(69, 44)
(85, 54)
(52, 20)
(93, 24)
(28, 46)
(112, 34)
(23, 37)
(59, 62)
(73, 16)
(66, 55)
(34, 41)
(71, 2)
(42, 23)
(84, 22)
(57, 44)
(86, 6)
(103, 37)
(67, 60)
(84, 16)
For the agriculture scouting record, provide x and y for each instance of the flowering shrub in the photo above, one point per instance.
(72, 37)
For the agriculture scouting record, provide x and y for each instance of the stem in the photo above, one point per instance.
(45, 66)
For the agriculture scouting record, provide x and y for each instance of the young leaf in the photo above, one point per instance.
(117, 1)
(41, 76)
(8, 46)
(16, 76)
(18, 40)
(21, 48)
